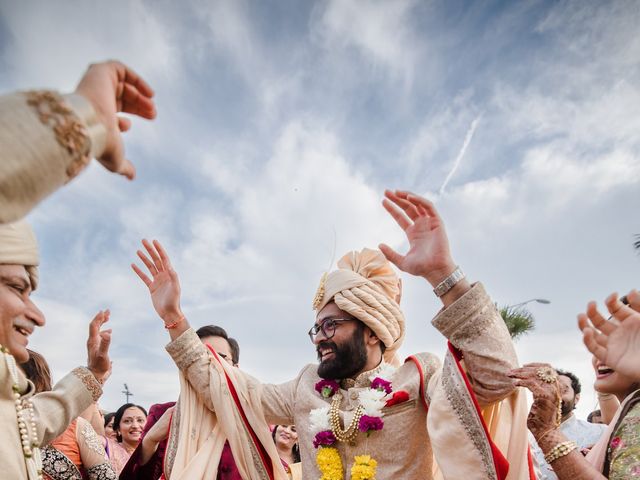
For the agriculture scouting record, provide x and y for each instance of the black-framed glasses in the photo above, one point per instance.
(327, 327)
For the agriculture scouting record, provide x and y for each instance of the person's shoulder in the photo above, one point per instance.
(427, 362)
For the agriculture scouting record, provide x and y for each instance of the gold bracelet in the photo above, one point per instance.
(547, 432)
(559, 451)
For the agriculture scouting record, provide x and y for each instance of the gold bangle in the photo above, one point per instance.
(559, 451)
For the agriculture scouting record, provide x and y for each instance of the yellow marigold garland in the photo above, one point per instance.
(329, 463)
(364, 468)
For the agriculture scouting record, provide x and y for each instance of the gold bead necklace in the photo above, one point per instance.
(348, 434)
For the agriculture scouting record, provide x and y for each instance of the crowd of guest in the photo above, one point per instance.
(217, 427)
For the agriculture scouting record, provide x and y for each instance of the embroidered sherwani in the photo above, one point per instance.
(403, 449)
(54, 411)
(45, 140)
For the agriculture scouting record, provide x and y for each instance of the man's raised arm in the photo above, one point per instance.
(469, 319)
(46, 139)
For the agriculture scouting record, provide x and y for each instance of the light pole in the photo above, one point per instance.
(127, 392)
(544, 301)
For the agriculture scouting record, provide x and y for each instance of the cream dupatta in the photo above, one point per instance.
(470, 442)
(238, 418)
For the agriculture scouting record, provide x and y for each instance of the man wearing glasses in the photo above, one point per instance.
(360, 411)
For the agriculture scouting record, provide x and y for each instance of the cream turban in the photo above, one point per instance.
(18, 246)
(366, 287)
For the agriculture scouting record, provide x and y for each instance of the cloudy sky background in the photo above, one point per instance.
(279, 126)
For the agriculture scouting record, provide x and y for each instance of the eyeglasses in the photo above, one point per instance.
(328, 328)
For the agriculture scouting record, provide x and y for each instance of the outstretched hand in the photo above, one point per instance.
(428, 254)
(164, 285)
(112, 87)
(615, 342)
(98, 361)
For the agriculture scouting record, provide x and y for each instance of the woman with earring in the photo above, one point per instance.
(128, 424)
(286, 439)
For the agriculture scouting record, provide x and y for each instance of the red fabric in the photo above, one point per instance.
(421, 373)
(261, 450)
(398, 397)
(500, 462)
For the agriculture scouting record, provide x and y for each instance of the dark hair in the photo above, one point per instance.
(117, 418)
(37, 370)
(108, 417)
(295, 451)
(216, 331)
(595, 413)
(575, 381)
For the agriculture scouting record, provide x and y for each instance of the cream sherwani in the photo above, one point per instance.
(40, 149)
(403, 448)
(54, 411)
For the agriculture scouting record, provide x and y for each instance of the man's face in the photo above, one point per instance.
(221, 346)
(18, 314)
(345, 354)
(569, 398)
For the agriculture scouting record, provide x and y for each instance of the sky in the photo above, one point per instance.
(280, 124)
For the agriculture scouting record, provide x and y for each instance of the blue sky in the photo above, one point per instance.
(281, 123)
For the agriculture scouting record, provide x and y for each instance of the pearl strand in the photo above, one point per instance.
(24, 409)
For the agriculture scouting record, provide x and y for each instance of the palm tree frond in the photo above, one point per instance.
(519, 320)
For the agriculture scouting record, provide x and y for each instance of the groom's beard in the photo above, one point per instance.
(348, 359)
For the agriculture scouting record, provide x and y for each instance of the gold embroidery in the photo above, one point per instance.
(361, 381)
(317, 299)
(91, 439)
(69, 131)
(90, 382)
(466, 412)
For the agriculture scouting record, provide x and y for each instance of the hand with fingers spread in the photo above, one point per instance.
(428, 254)
(616, 342)
(541, 380)
(164, 285)
(112, 87)
(98, 361)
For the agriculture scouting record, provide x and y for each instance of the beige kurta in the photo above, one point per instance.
(35, 158)
(403, 448)
(54, 411)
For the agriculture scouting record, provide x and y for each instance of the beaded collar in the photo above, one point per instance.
(361, 381)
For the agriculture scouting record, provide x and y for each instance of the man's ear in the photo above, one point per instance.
(372, 338)
(577, 398)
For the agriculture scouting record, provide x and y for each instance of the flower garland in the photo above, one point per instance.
(26, 421)
(367, 418)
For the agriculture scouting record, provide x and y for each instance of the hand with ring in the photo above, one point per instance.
(542, 380)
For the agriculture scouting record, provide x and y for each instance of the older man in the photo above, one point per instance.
(359, 410)
(47, 139)
(29, 420)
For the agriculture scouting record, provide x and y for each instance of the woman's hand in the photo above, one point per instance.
(541, 379)
(615, 342)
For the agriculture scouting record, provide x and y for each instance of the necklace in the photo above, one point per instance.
(326, 425)
(25, 417)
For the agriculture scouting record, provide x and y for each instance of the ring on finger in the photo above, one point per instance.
(547, 374)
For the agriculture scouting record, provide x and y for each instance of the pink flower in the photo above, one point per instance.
(616, 442)
(327, 388)
(324, 438)
(367, 423)
(381, 384)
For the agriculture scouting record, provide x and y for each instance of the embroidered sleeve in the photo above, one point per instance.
(68, 129)
(103, 471)
(624, 448)
(89, 382)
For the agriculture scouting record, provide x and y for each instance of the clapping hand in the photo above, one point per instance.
(112, 87)
(615, 343)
